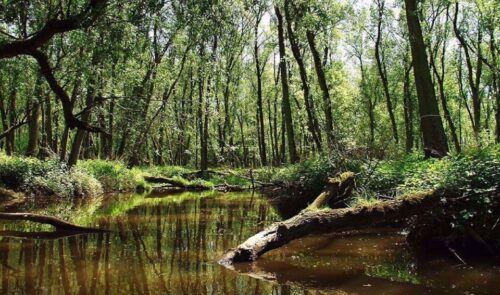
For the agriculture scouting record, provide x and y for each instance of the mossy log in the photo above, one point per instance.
(57, 223)
(312, 220)
(337, 190)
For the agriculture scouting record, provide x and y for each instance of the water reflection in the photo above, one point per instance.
(169, 245)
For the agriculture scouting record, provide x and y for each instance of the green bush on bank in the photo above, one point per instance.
(115, 176)
(51, 177)
(472, 170)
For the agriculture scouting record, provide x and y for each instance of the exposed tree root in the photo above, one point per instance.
(311, 220)
(57, 223)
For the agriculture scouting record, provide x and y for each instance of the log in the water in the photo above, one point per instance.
(59, 224)
(313, 221)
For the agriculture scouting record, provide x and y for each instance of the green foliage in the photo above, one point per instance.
(472, 170)
(46, 178)
(310, 175)
(167, 171)
(230, 179)
(115, 176)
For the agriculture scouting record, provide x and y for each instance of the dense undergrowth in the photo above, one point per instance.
(473, 171)
(51, 177)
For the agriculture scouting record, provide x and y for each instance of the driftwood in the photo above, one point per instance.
(57, 223)
(312, 220)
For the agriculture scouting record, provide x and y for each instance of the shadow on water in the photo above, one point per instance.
(170, 245)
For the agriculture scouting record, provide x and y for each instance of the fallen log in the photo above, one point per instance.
(58, 224)
(311, 220)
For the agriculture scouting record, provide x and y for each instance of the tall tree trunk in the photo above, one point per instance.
(11, 137)
(408, 110)
(287, 111)
(440, 75)
(369, 101)
(474, 75)
(260, 113)
(33, 127)
(48, 134)
(3, 113)
(64, 144)
(80, 133)
(327, 104)
(34, 109)
(312, 121)
(201, 125)
(383, 72)
(431, 125)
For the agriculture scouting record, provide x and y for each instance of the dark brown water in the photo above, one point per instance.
(170, 245)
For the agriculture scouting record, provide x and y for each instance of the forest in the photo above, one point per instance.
(209, 133)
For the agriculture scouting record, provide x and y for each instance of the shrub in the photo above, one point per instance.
(46, 178)
(115, 176)
(475, 169)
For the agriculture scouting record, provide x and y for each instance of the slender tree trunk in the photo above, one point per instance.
(287, 111)
(34, 109)
(3, 114)
(49, 136)
(327, 104)
(80, 133)
(408, 110)
(201, 125)
(260, 113)
(34, 128)
(442, 97)
(369, 101)
(474, 75)
(312, 122)
(431, 125)
(383, 72)
(11, 137)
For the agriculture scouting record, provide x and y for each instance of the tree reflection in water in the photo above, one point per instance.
(170, 245)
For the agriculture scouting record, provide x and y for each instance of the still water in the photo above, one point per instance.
(170, 245)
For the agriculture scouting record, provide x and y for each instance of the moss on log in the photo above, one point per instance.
(313, 221)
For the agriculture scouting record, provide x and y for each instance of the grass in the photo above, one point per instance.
(115, 176)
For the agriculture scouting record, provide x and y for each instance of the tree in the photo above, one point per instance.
(431, 125)
(287, 111)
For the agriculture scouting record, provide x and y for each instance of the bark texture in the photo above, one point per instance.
(313, 221)
(431, 125)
